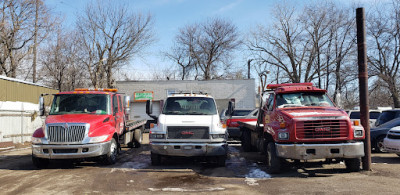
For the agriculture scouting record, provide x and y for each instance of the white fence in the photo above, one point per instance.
(18, 121)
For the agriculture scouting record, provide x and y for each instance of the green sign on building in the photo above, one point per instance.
(142, 96)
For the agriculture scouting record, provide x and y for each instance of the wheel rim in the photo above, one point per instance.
(380, 145)
(113, 150)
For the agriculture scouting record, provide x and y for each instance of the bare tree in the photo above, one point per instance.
(60, 62)
(384, 52)
(181, 51)
(17, 31)
(205, 47)
(111, 35)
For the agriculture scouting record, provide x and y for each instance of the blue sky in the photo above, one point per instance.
(170, 15)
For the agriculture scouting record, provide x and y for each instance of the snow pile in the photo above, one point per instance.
(257, 173)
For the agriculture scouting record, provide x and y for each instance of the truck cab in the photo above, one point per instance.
(81, 124)
(300, 122)
(189, 125)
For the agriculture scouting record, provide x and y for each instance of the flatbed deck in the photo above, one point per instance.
(134, 124)
(252, 125)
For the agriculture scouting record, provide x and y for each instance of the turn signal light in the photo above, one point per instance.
(356, 123)
(223, 125)
(282, 125)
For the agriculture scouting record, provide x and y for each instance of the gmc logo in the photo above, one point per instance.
(187, 132)
(322, 129)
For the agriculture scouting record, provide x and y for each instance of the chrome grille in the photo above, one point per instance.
(188, 132)
(315, 129)
(67, 133)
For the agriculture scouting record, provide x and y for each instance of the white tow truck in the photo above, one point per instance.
(189, 125)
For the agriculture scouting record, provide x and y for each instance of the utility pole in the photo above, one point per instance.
(363, 82)
(35, 42)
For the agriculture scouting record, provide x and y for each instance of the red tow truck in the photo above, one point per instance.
(85, 124)
(300, 122)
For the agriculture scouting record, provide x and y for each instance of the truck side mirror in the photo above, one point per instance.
(127, 100)
(231, 107)
(149, 107)
(41, 106)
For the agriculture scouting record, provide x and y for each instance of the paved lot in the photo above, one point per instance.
(133, 174)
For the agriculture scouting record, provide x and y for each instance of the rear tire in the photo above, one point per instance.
(273, 161)
(40, 163)
(352, 164)
(138, 138)
(155, 159)
(111, 157)
(246, 141)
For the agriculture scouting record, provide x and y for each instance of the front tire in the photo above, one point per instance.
(246, 141)
(379, 144)
(221, 161)
(273, 161)
(111, 157)
(352, 164)
(40, 163)
(155, 159)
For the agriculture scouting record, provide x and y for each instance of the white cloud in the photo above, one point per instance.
(229, 6)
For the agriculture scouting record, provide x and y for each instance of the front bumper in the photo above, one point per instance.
(320, 151)
(391, 145)
(189, 149)
(70, 151)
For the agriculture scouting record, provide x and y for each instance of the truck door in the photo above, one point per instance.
(268, 112)
(117, 115)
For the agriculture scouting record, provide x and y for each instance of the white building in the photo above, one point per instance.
(243, 91)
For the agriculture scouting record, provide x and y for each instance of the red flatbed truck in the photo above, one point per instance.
(85, 124)
(300, 122)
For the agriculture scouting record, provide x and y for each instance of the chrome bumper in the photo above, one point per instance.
(70, 151)
(189, 149)
(320, 151)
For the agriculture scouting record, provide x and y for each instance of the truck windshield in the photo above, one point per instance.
(80, 103)
(303, 99)
(189, 106)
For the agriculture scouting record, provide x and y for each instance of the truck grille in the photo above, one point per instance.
(188, 133)
(321, 129)
(66, 132)
(392, 135)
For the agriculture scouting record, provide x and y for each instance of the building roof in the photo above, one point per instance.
(24, 82)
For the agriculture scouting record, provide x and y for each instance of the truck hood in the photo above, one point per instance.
(94, 120)
(210, 121)
(312, 112)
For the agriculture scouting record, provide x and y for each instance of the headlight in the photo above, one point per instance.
(216, 136)
(98, 139)
(283, 135)
(358, 133)
(157, 136)
(36, 140)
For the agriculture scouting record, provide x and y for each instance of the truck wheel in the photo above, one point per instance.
(246, 141)
(111, 157)
(273, 161)
(40, 162)
(352, 164)
(155, 159)
(138, 137)
(379, 144)
(221, 161)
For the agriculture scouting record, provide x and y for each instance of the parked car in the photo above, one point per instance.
(243, 115)
(392, 141)
(386, 116)
(373, 116)
(378, 134)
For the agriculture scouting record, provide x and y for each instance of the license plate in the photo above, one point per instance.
(187, 147)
